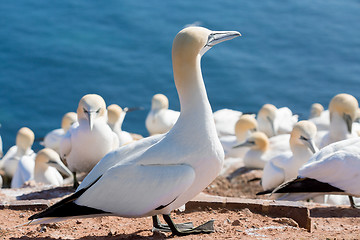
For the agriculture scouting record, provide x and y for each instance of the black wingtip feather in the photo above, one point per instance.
(304, 185)
(67, 207)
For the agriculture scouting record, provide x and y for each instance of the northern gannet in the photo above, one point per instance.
(283, 168)
(24, 141)
(52, 139)
(343, 110)
(160, 119)
(116, 116)
(274, 121)
(47, 167)
(84, 145)
(244, 127)
(1, 148)
(225, 120)
(261, 151)
(158, 174)
(319, 117)
(332, 170)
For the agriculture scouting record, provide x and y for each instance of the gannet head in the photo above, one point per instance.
(246, 123)
(114, 112)
(193, 41)
(48, 157)
(303, 133)
(268, 112)
(346, 106)
(159, 101)
(256, 141)
(91, 107)
(316, 110)
(25, 138)
(68, 119)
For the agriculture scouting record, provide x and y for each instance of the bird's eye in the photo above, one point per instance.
(303, 138)
(98, 110)
(85, 111)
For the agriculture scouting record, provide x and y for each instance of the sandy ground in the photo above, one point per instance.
(328, 223)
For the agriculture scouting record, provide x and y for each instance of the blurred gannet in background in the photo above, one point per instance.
(243, 128)
(52, 139)
(160, 118)
(225, 120)
(283, 168)
(343, 109)
(274, 121)
(260, 150)
(24, 141)
(158, 174)
(47, 165)
(116, 117)
(84, 145)
(320, 117)
(333, 170)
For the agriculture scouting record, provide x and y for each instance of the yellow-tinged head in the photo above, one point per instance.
(68, 119)
(303, 133)
(114, 112)
(316, 110)
(258, 141)
(346, 106)
(25, 138)
(268, 111)
(246, 123)
(159, 101)
(91, 106)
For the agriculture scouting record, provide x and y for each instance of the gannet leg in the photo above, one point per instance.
(158, 226)
(207, 227)
(352, 203)
(76, 183)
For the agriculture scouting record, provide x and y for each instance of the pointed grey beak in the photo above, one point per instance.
(272, 125)
(60, 166)
(91, 116)
(310, 144)
(245, 144)
(218, 37)
(348, 120)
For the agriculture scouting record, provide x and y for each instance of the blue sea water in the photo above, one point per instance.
(292, 53)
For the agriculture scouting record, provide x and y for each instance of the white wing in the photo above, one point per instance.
(337, 164)
(136, 190)
(225, 120)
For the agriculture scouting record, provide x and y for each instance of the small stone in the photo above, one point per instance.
(235, 223)
(78, 222)
(43, 229)
(287, 221)
(21, 215)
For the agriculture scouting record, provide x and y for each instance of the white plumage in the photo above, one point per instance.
(116, 116)
(160, 119)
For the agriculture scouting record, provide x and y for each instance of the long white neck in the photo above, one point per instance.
(191, 89)
(338, 129)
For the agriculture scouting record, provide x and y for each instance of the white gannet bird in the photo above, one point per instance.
(116, 117)
(260, 150)
(274, 121)
(316, 110)
(158, 174)
(52, 139)
(225, 120)
(282, 168)
(244, 127)
(160, 118)
(332, 170)
(320, 117)
(343, 109)
(84, 145)
(47, 167)
(42, 170)
(24, 141)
